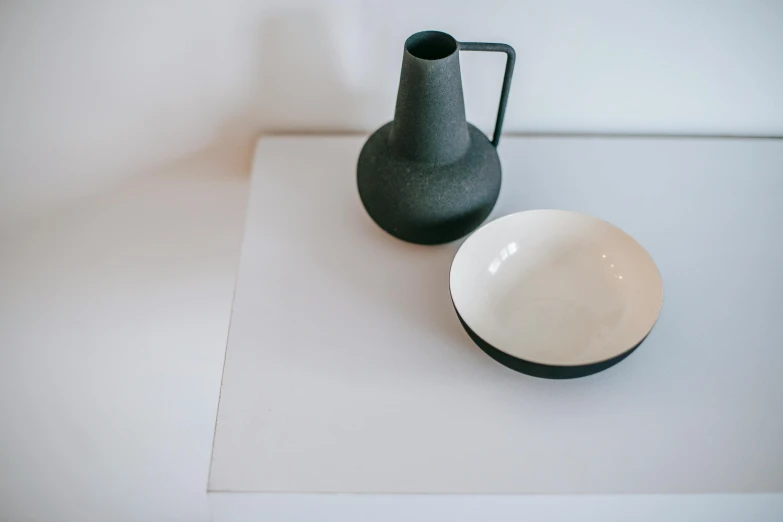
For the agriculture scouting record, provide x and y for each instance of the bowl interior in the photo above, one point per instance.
(556, 287)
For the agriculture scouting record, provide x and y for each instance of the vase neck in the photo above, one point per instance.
(429, 120)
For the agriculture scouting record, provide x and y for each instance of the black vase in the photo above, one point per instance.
(429, 176)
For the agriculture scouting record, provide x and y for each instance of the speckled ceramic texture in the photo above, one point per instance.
(428, 176)
(428, 203)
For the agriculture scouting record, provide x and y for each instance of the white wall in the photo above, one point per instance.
(113, 325)
(95, 92)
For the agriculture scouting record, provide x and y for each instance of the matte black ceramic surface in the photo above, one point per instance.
(429, 176)
(545, 371)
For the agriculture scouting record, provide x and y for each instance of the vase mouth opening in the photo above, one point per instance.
(431, 45)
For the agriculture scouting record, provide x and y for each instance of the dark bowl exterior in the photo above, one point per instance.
(545, 371)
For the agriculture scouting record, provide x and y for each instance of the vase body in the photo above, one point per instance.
(429, 176)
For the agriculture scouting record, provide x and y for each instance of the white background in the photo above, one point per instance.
(125, 136)
(96, 92)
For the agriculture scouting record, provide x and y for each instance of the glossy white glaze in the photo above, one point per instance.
(556, 287)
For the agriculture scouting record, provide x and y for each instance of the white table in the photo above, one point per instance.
(347, 370)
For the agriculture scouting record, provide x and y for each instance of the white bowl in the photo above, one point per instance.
(555, 294)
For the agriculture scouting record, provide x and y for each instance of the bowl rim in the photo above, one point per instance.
(580, 215)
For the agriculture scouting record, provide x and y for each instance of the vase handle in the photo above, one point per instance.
(510, 59)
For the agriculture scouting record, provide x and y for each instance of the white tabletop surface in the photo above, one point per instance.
(347, 370)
